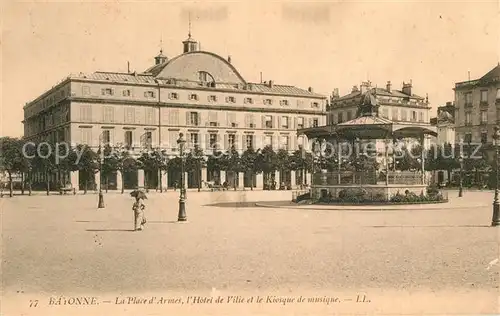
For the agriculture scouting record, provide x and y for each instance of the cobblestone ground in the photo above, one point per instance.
(65, 245)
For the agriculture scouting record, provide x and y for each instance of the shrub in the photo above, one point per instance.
(432, 190)
(379, 197)
(302, 197)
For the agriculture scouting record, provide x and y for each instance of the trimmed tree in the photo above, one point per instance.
(87, 166)
(10, 150)
(267, 159)
(195, 163)
(232, 163)
(249, 163)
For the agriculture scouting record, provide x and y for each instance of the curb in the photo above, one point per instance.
(372, 208)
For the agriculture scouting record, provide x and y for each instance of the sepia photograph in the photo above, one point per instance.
(250, 157)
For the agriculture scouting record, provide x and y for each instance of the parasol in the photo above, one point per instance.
(139, 194)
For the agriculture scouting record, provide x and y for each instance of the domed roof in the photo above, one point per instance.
(188, 66)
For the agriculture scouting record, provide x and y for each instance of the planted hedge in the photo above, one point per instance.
(361, 196)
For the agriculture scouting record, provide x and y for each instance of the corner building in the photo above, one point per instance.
(197, 93)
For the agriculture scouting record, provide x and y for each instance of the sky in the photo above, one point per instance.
(323, 44)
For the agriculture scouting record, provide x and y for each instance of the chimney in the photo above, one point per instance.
(407, 88)
(388, 86)
(271, 84)
(229, 59)
(354, 89)
(310, 89)
(365, 86)
(335, 93)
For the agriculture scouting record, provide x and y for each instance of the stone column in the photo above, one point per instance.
(164, 180)
(204, 175)
(277, 179)
(386, 162)
(222, 177)
(119, 181)
(293, 179)
(97, 178)
(186, 180)
(75, 180)
(241, 180)
(259, 181)
(422, 139)
(308, 178)
(140, 178)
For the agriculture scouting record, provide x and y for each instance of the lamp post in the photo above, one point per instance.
(182, 197)
(100, 204)
(495, 221)
(461, 186)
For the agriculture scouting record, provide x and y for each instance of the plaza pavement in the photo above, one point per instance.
(413, 260)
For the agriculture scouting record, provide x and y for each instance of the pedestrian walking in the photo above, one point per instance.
(138, 207)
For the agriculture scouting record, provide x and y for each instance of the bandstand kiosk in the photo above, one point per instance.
(384, 135)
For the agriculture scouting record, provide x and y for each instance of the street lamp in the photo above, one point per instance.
(182, 197)
(100, 204)
(460, 188)
(495, 221)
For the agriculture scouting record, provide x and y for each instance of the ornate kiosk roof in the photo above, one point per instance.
(369, 125)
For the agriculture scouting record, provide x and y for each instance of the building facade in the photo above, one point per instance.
(197, 93)
(399, 106)
(445, 124)
(477, 108)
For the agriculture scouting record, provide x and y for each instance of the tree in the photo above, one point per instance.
(147, 162)
(88, 165)
(125, 163)
(109, 166)
(215, 164)
(44, 162)
(195, 163)
(283, 163)
(268, 161)
(11, 153)
(249, 163)
(232, 163)
(29, 157)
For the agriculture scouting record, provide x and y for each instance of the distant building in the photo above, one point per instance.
(445, 124)
(198, 93)
(402, 106)
(477, 107)
(399, 106)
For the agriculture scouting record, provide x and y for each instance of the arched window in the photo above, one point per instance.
(206, 78)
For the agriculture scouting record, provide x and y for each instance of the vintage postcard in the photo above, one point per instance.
(250, 157)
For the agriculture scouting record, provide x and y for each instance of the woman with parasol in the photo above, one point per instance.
(138, 208)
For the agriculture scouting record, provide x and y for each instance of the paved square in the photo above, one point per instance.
(64, 245)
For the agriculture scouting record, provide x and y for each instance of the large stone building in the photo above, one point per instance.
(402, 106)
(197, 93)
(477, 108)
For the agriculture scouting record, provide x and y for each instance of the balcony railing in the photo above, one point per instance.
(367, 178)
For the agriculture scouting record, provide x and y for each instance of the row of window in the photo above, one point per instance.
(193, 118)
(414, 116)
(483, 118)
(483, 96)
(146, 140)
(195, 97)
(47, 102)
(468, 137)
